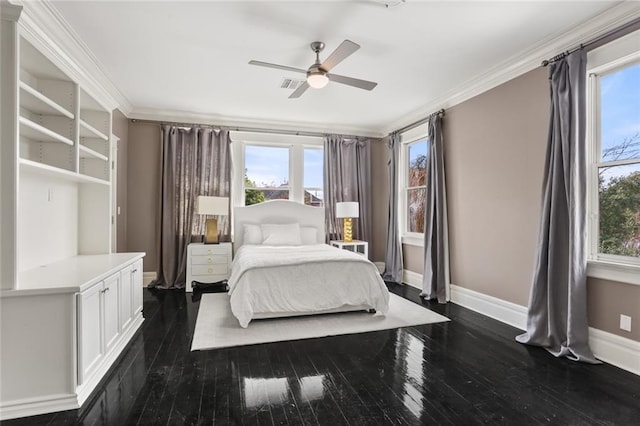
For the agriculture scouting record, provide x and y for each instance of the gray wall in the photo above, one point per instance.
(495, 147)
(143, 190)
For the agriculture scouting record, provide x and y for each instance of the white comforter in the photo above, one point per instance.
(285, 280)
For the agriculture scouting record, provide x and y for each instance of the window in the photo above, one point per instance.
(614, 171)
(412, 184)
(313, 176)
(416, 185)
(266, 173)
(277, 167)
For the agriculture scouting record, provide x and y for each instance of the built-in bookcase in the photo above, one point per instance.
(69, 305)
(64, 165)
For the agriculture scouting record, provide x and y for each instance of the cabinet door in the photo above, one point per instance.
(126, 294)
(90, 331)
(136, 287)
(111, 311)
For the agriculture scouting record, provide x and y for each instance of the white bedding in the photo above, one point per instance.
(302, 279)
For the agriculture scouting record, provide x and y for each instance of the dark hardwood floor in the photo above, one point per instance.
(463, 372)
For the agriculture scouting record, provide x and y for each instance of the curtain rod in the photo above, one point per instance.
(598, 41)
(419, 122)
(246, 129)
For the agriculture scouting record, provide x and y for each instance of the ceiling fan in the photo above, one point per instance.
(318, 74)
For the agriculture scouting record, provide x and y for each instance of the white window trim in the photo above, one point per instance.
(407, 138)
(615, 55)
(296, 145)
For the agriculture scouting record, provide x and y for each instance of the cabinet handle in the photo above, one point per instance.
(134, 271)
(105, 290)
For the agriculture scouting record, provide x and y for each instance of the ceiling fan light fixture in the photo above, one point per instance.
(317, 80)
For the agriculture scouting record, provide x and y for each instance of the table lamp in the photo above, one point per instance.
(346, 211)
(217, 206)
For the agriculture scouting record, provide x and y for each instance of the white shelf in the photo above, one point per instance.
(45, 169)
(86, 152)
(88, 131)
(40, 133)
(37, 64)
(37, 102)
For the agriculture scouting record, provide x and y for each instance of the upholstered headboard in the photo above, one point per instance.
(278, 212)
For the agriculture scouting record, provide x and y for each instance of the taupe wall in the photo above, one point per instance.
(379, 199)
(121, 130)
(143, 191)
(495, 147)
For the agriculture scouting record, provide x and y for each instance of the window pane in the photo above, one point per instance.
(314, 197)
(266, 167)
(313, 167)
(415, 209)
(313, 177)
(417, 164)
(620, 114)
(619, 196)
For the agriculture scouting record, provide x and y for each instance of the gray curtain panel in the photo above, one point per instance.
(393, 254)
(194, 161)
(434, 280)
(557, 315)
(347, 176)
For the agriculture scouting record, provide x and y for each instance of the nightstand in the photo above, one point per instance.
(356, 246)
(207, 263)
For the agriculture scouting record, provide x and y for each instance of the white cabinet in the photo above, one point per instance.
(207, 263)
(76, 324)
(90, 352)
(136, 287)
(126, 297)
(99, 310)
(110, 323)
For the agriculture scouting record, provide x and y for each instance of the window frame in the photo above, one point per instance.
(295, 144)
(601, 62)
(410, 137)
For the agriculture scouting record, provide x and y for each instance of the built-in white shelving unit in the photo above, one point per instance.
(69, 305)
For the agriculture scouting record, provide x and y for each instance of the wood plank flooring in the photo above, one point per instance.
(464, 372)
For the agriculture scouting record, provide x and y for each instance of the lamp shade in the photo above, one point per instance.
(213, 205)
(348, 209)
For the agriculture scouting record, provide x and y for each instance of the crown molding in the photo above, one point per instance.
(235, 122)
(612, 18)
(9, 11)
(44, 26)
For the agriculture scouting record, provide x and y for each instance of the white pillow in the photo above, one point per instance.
(308, 235)
(281, 235)
(252, 234)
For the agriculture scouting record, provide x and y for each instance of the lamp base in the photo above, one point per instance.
(211, 235)
(347, 230)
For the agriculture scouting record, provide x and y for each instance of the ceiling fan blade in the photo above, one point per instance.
(276, 66)
(350, 81)
(345, 49)
(299, 91)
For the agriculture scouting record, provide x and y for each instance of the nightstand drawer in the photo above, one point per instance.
(209, 260)
(209, 269)
(207, 249)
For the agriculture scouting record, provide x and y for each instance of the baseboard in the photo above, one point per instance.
(36, 406)
(615, 350)
(148, 277)
(498, 309)
(608, 347)
(414, 279)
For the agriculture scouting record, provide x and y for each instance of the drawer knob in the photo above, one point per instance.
(209, 270)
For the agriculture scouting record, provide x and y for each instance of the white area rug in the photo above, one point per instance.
(216, 327)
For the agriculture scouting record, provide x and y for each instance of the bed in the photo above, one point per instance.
(282, 266)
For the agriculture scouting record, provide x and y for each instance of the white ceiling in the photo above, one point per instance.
(176, 58)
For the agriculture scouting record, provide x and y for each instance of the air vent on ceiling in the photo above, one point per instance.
(291, 83)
